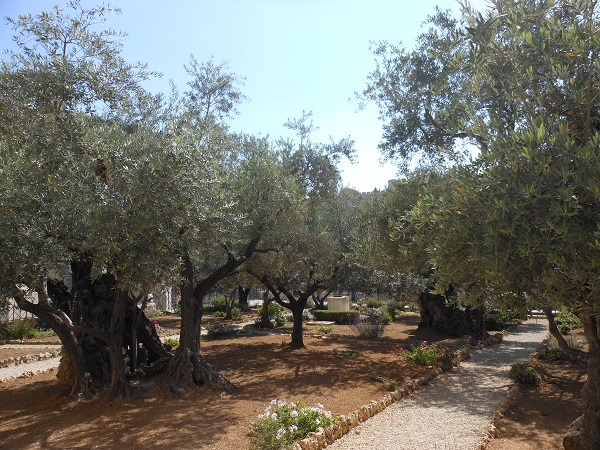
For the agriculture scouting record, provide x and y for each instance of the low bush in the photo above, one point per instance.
(566, 320)
(153, 312)
(371, 323)
(217, 331)
(216, 304)
(551, 353)
(345, 352)
(426, 355)
(525, 373)
(339, 317)
(496, 320)
(237, 315)
(283, 423)
(171, 342)
(372, 302)
(276, 317)
(21, 329)
(324, 329)
(219, 314)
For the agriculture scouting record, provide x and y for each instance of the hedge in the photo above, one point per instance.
(339, 317)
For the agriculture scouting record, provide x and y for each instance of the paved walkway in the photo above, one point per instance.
(454, 411)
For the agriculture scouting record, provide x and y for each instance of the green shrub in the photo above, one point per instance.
(339, 317)
(345, 352)
(496, 320)
(372, 302)
(376, 377)
(216, 331)
(393, 307)
(392, 385)
(21, 329)
(43, 333)
(217, 304)
(566, 320)
(171, 342)
(283, 423)
(551, 353)
(426, 355)
(371, 324)
(325, 329)
(263, 323)
(525, 373)
(237, 314)
(219, 314)
(152, 313)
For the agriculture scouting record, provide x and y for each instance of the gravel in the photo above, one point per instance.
(29, 369)
(455, 410)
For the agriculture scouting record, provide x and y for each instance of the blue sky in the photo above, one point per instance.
(295, 55)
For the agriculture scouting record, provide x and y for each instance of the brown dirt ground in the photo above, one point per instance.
(542, 415)
(33, 414)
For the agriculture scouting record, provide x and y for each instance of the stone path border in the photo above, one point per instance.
(29, 358)
(461, 405)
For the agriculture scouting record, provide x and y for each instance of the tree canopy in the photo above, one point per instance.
(517, 224)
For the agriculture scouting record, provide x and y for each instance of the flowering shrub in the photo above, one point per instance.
(470, 340)
(161, 331)
(426, 355)
(283, 423)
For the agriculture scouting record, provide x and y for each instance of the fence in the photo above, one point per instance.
(12, 312)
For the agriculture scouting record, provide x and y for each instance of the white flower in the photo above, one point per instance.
(280, 433)
(320, 406)
(293, 428)
(274, 402)
(274, 416)
(294, 413)
(281, 403)
(328, 414)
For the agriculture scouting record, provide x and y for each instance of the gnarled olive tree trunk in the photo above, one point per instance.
(584, 432)
(449, 318)
(188, 368)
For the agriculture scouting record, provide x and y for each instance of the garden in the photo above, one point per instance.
(336, 369)
(335, 374)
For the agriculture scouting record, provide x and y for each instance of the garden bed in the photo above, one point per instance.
(261, 368)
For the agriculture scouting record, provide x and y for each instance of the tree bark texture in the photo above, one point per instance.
(188, 368)
(449, 318)
(584, 432)
(297, 308)
(119, 385)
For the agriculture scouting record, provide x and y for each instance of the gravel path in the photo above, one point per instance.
(455, 410)
(15, 371)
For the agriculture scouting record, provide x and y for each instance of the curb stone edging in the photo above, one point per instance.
(492, 432)
(322, 437)
(514, 393)
(29, 358)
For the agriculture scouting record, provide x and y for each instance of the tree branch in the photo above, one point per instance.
(562, 343)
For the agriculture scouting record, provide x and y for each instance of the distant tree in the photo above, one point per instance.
(517, 226)
(310, 248)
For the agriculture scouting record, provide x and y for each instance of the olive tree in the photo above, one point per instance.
(518, 224)
(310, 249)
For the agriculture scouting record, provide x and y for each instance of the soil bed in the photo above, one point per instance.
(261, 367)
(542, 415)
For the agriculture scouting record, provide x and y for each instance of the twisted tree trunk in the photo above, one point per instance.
(449, 319)
(584, 432)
